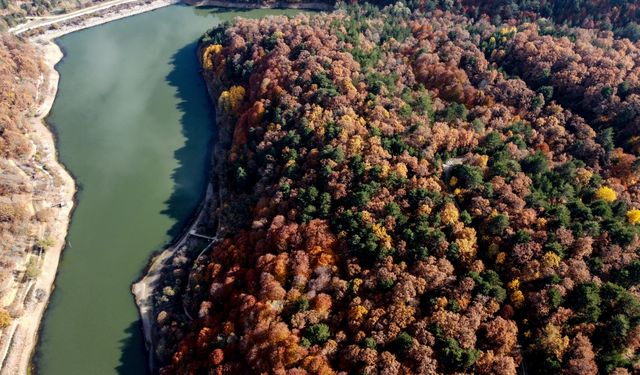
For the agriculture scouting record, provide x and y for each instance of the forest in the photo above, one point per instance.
(432, 187)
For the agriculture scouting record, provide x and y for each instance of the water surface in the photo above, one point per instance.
(134, 127)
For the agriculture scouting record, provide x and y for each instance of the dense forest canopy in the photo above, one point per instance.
(620, 16)
(419, 191)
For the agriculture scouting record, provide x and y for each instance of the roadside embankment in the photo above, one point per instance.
(82, 20)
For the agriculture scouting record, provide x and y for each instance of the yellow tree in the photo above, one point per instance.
(633, 216)
(606, 194)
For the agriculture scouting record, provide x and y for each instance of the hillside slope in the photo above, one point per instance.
(36, 197)
(411, 193)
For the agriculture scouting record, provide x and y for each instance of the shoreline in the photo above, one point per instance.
(18, 358)
(26, 328)
(150, 280)
(112, 14)
(144, 288)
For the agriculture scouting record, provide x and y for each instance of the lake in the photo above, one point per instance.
(134, 127)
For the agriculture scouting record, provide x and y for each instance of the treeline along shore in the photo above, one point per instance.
(45, 208)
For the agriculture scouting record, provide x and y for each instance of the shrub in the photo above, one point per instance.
(33, 269)
(5, 319)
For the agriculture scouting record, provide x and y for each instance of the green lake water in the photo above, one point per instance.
(134, 127)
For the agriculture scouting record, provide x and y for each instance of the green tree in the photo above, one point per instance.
(522, 236)
(607, 91)
(301, 304)
(491, 143)
(618, 328)
(489, 284)
(586, 301)
(370, 343)
(601, 208)
(424, 104)
(537, 102)
(317, 333)
(555, 298)
(498, 224)
(453, 355)
(560, 215)
(623, 90)
(386, 284)
(535, 163)
(547, 92)
(469, 176)
(605, 138)
(325, 204)
(402, 343)
(456, 111)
